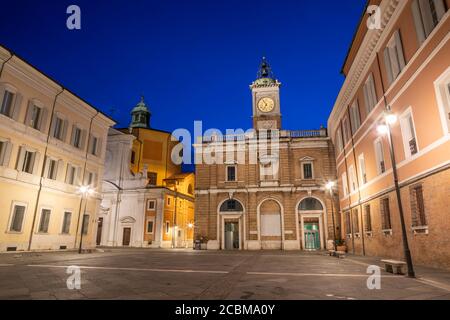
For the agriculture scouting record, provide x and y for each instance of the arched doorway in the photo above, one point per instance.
(270, 225)
(311, 211)
(231, 212)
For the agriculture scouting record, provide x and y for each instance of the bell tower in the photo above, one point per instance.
(266, 99)
(140, 115)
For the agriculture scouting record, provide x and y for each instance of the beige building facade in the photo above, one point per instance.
(51, 144)
(275, 198)
(402, 69)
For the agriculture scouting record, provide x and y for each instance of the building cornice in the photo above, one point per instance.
(390, 10)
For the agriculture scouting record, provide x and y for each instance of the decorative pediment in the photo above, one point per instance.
(307, 159)
(128, 220)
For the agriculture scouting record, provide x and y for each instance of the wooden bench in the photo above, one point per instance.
(395, 267)
(340, 254)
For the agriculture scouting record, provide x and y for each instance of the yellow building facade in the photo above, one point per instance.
(150, 202)
(51, 143)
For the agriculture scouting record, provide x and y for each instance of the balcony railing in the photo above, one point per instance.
(305, 134)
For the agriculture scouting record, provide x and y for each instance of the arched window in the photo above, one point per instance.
(231, 206)
(190, 189)
(310, 204)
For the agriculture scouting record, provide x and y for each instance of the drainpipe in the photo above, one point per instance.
(348, 190)
(38, 197)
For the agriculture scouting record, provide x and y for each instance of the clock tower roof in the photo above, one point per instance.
(265, 76)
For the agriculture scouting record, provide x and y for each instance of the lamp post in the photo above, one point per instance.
(329, 186)
(385, 129)
(85, 192)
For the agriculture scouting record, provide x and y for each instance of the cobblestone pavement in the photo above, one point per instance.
(191, 275)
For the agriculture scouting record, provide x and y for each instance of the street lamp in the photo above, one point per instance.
(385, 129)
(85, 192)
(330, 186)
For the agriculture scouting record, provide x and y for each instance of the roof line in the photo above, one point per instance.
(354, 36)
(13, 53)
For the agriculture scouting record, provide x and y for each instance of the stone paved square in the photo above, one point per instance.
(141, 274)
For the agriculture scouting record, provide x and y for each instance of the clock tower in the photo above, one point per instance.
(266, 99)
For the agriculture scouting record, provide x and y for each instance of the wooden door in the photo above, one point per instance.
(126, 237)
(99, 231)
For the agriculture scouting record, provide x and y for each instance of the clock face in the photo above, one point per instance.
(266, 105)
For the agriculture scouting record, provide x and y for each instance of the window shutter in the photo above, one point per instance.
(17, 106)
(98, 152)
(427, 18)
(7, 154)
(440, 8)
(78, 177)
(43, 120)
(2, 94)
(29, 113)
(36, 158)
(399, 46)
(20, 159)
(47, 167)
(65, 127)
(418, 22)
(366, 99)
(68, 170)
(90, 143)
(72, 136)
(52, 128)
(83, 140)
(60, 170)
(387, 63)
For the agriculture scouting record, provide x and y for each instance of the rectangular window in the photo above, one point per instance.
(355, 215)
(94, 145)
(28, 162)
(76, 137)
(344, 184)
(362, 169)
(35, 117)
(370, 95)
(352, 176)
(348, 223)
(231, 174)
(7, 104)
(381, 167)
(394, 59)
(409, 135)
(17, 218)
(152, 178)
(3, 150)
(346, 129)
(151, 205)
(419, 218)
(45, 220)
(58, 129)
(339, 143)
(355, 116)
(427, 14)
(71, 174)
(167, 227)
(85, 224)
(52, 169)
(385, 214)
(368, 218)
(308, 171)
(150, 226)
(66, 223)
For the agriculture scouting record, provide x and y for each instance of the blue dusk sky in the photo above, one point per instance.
(192, 60)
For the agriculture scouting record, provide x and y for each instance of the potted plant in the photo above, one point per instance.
(341, 246)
